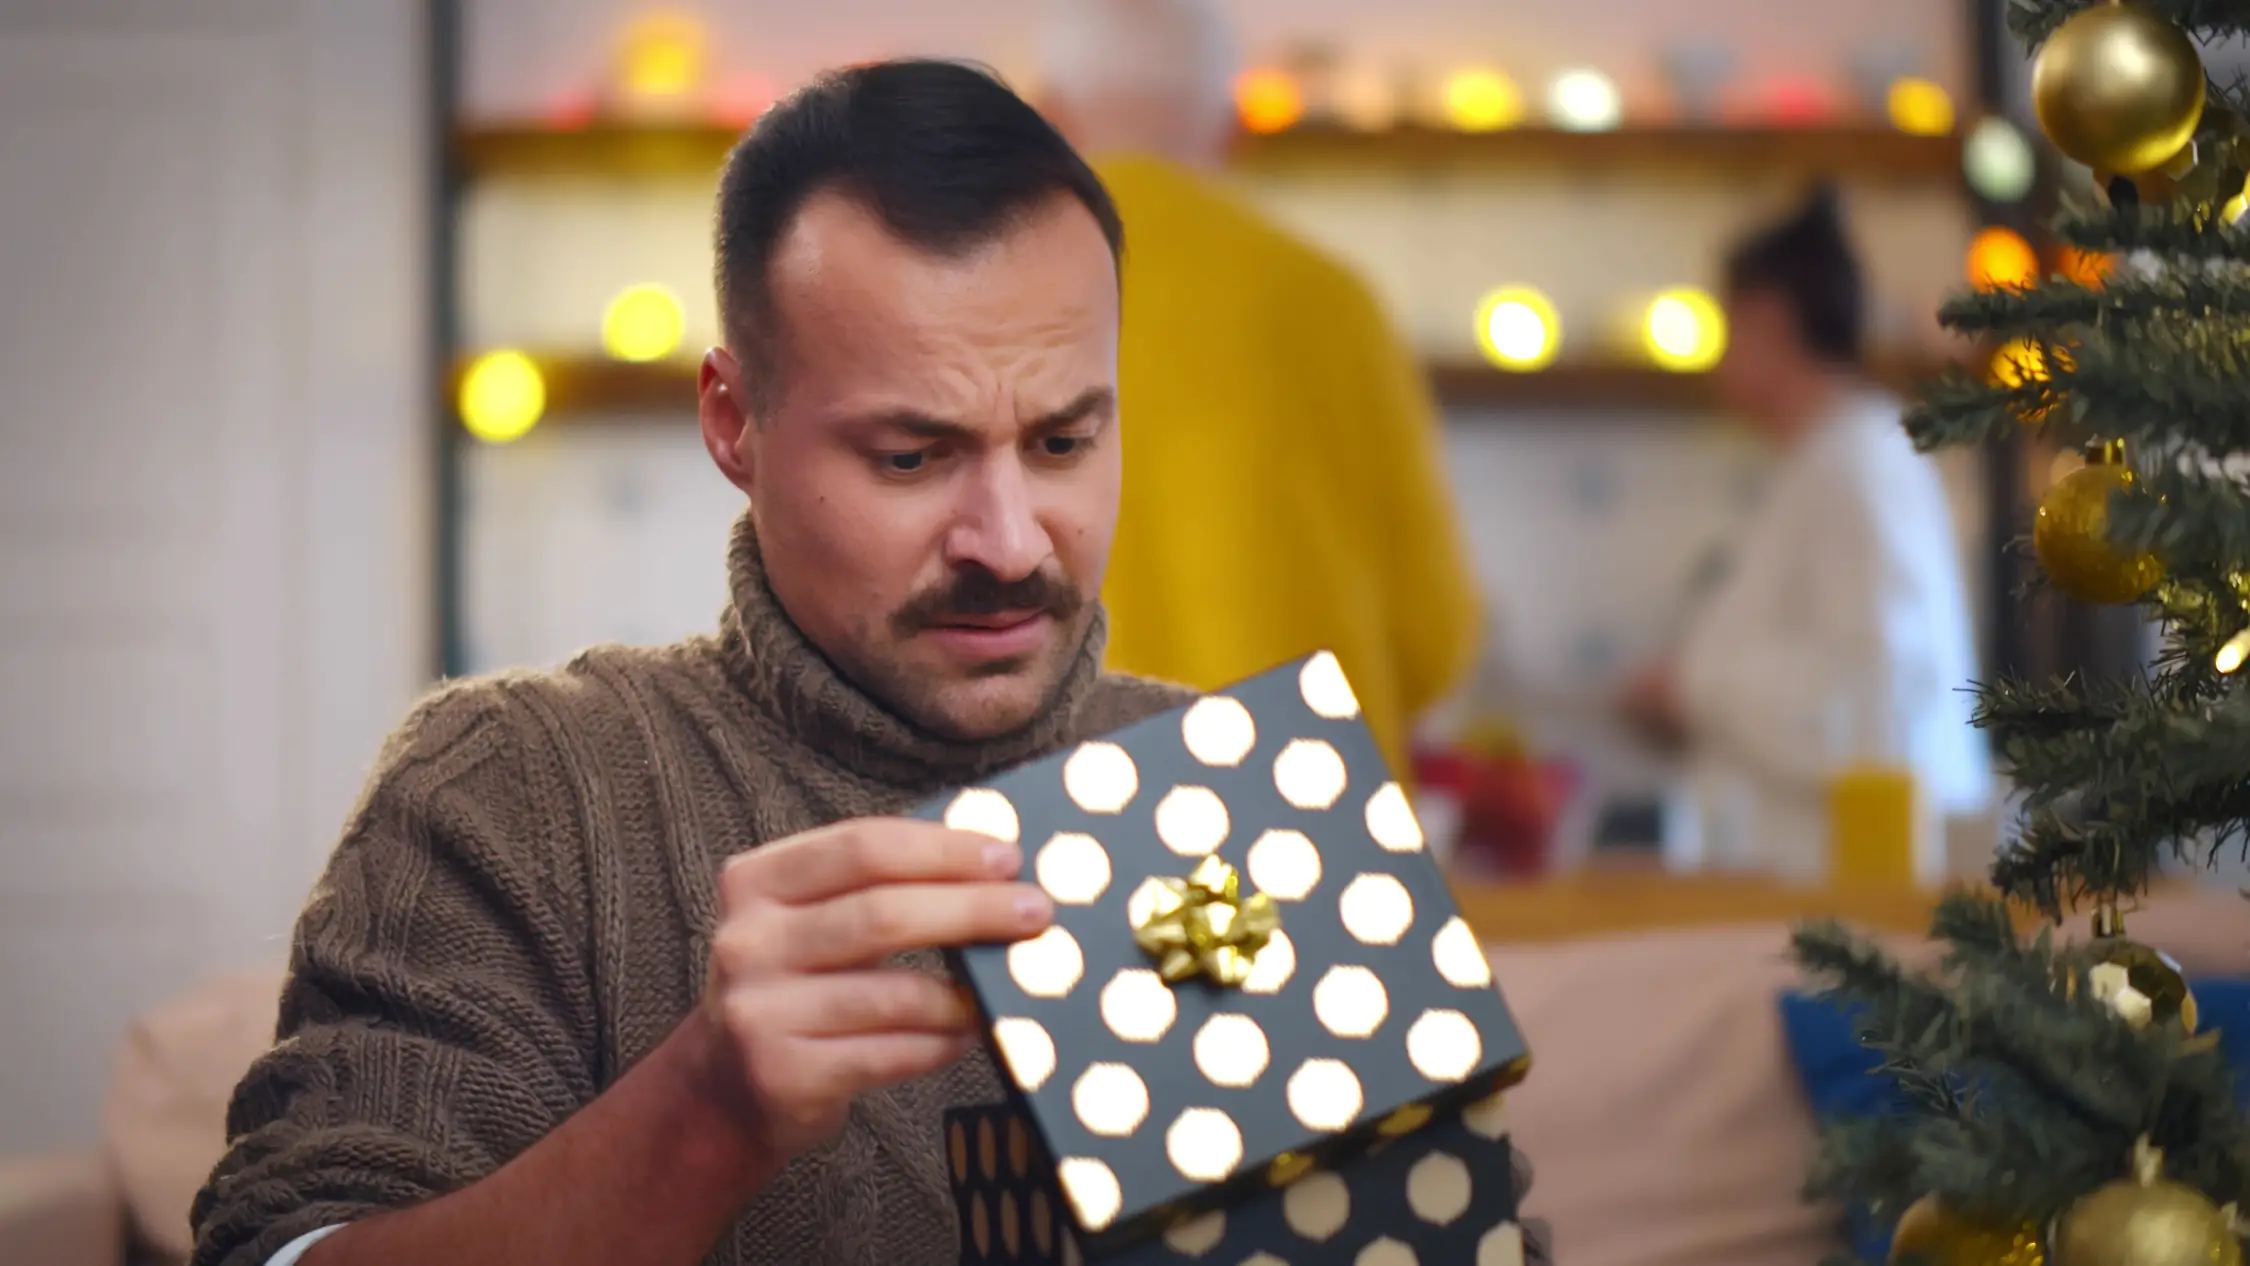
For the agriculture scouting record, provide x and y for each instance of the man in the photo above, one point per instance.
(623, 964)
(1840, 634)
(1285, 490)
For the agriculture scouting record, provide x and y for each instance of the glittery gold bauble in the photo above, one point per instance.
(2118, 88)
(1934, 1237)
(2141, 984)
(2071, 538)
(2148, 1222)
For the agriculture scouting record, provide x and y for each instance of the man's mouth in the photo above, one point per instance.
(992, 622)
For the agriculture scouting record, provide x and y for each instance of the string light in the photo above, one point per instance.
(1998, 161)
(1920, 107)
(663, 58)
(2000, 259)
(1584, 100)
(1482, 101)
(643, 323)
(503, 395)
(2232, 655)
(1268, 101)
(1684, 331)
(1517, 329)
(2086, 268)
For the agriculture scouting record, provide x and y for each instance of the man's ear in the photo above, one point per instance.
(724, 415)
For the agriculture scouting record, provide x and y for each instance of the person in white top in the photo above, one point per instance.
(1840, 633)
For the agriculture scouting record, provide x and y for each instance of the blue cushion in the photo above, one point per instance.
(1841, 1078)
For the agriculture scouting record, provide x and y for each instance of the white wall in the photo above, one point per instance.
(526, 54)
(213, 472)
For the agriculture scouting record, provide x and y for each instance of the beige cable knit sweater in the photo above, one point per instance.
(521, 906)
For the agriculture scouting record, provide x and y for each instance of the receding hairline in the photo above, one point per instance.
(756, 296)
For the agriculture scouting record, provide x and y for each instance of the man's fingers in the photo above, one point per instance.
(867, 926)
(848, 1004)
(867, 1064)
(865, 853)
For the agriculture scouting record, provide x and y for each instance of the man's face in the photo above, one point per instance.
(1761, 347)
(935, 478)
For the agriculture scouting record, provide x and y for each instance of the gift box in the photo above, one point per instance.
(1256, 970)
(1444, 1195)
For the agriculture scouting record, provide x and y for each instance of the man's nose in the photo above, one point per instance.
(997, 526)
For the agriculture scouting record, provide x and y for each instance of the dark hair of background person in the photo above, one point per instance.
(1807, 258)
(943, 153)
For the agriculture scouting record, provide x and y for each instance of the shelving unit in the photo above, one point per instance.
(592, 391)
(1867, 153)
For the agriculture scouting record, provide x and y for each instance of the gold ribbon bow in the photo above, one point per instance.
(1203, 926)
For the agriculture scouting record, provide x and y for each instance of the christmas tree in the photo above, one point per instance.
(2057, 1104)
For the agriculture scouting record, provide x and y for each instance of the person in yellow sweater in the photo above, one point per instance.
(1283, 484)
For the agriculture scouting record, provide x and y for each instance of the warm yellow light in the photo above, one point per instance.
(1517, 329)
(2087, 268)
(662, 57)
(502, 396)
(2000, 259)
(1482, 101)
(2232, 655)
(643, 323)
(1584, 101)
(1920, 107)
(2019, 362)
(1684, 331)
(1268, 101)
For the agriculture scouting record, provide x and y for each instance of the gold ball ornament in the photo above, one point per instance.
(2146, 1220)
(2071, 539)
(1930, 1235)
(2143, 985)
(2118, 88)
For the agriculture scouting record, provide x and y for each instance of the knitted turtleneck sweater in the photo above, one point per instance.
(521, 908)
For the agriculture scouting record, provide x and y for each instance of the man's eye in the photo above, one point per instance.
(1062, 445)
(904, 463)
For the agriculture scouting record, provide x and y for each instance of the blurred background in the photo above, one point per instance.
(353, 344)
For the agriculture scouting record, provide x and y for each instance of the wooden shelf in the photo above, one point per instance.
(1866, 152)
(591, 390)
(697, 151)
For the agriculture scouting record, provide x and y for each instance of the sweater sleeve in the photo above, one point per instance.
(437, 1014)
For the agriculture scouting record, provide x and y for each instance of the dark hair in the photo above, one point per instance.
(942, 152)
(1807, 258)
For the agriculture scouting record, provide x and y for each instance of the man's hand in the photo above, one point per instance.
(1651, 703)
(810, 1014)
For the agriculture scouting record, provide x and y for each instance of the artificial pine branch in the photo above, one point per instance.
(2032, 21)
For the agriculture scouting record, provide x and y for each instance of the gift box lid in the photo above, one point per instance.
(1166, 1052)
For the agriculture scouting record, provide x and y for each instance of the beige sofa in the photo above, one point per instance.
(1662, 1113)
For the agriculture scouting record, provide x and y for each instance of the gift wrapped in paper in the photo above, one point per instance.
(1256, 975)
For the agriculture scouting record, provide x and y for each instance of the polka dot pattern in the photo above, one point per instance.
(1442, 1196)
(1372, 1003)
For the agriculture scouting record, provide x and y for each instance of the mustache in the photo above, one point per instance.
(975, 591)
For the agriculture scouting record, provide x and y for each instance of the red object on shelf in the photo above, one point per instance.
(1796, 103)
(572, 111)
(1509, 807)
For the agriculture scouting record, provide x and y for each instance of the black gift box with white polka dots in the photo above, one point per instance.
(1444, 1195)
(1369, 1013)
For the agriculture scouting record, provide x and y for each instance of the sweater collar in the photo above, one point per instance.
(812, 703)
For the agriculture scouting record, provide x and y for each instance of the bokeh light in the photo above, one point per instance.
(1268, 101)
(2086, 268)
(1482, 101)
(503, 395)
(1998, 161)
(662, 58)
(643, 323)
(1920, 107)
(1584, 100)
(2019, 362)
(2000, 259)
(1684, 330)
(1517, 329)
